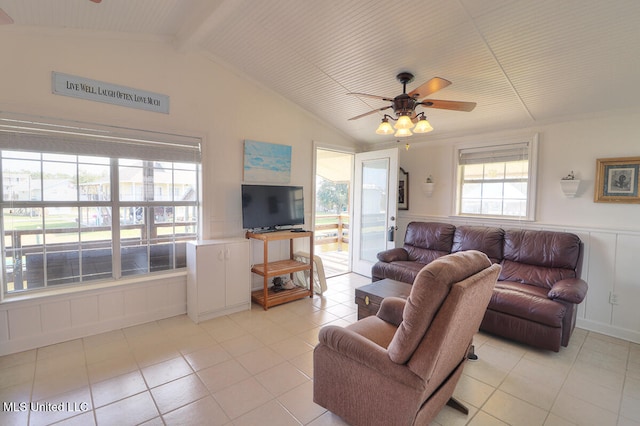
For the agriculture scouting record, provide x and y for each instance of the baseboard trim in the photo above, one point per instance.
(609, 330)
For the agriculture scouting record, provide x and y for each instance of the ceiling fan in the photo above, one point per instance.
(404, 106)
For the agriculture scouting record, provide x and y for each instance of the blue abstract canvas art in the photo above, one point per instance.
(266, 162)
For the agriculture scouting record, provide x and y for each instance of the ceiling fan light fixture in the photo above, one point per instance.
(423, 126)
(384, 128)
(402, 133)
(404, 123)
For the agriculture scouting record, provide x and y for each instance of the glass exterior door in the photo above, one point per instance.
(375, 207)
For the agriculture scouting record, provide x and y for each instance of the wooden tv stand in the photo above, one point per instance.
(266, 297)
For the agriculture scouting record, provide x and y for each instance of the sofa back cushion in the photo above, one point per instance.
(539, 258)
(482, 238)
(426, 241)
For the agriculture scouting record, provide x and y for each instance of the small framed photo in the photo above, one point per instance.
(403, 190)
(617, 180)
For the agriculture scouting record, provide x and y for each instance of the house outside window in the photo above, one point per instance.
(497, 180)
(79, 207)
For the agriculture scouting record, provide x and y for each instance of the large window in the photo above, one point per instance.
(82, 205)
(497, 180)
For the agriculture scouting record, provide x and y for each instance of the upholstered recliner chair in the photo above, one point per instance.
(400, 367)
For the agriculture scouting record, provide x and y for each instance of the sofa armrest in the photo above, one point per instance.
(363, 351)
(393, 255)
(571, 290)
(391, 310)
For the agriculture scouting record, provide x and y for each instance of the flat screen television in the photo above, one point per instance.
(269, 207)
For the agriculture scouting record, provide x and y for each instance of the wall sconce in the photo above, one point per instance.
(569, 185)
(427, 186)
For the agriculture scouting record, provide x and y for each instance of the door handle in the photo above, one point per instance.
(391, 233)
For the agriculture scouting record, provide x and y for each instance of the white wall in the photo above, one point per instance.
(610, 232)
(206, 100)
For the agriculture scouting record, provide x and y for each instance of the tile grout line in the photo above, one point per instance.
(86, 366)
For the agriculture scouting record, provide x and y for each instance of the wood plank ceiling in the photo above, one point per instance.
(524, 62)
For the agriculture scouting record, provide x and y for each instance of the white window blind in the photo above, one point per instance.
(80, 139)
(494, 154)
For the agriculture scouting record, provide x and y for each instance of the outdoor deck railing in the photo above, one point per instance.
(332, 230)
(17, 250)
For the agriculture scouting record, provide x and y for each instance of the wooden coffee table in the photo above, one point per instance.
(369, 297)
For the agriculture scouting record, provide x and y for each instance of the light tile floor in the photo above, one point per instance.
(256, 368)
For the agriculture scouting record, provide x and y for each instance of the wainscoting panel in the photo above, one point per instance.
(135, 300)
(627, 282)
(84, 310)
(4, 326)
(25, 321)
(110, 306)
(610, 267)
(48, 319)
(598, 270)
(55, 316)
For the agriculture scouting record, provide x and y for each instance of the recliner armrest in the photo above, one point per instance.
(393, 255)
(364, 351)
(571, 290)
(391, 310)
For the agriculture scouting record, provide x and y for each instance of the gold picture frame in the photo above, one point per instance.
(617, 180)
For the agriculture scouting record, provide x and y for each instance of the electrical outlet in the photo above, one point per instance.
(613, 298)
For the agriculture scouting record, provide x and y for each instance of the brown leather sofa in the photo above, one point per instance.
(536, 297)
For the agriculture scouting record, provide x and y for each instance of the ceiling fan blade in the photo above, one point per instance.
(431, 86)
(451, 105)
(366, 95)
(4, 18)
(369, 113)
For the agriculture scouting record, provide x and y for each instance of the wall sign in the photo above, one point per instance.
(99, 91)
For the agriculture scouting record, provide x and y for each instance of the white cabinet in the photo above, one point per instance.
(218, 277)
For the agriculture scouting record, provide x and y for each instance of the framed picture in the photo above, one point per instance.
(403, 190)
(617, 180)
(266, 162)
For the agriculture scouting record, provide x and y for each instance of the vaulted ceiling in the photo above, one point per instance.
(524, 62)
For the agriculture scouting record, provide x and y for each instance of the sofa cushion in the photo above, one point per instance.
(483, 238)
(542, 248)
(429, 290)
(425, 242)
(529, 302)
(538, 276)
(539, 257)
